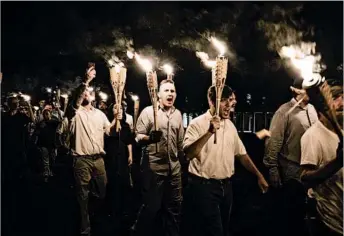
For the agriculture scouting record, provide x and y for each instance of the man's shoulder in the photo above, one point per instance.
(199, 119)
(313, 132)
(284, 107)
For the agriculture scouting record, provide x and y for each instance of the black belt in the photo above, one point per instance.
(200, 180)
(93, 157)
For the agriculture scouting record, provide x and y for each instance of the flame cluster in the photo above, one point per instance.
(304, 59)
(221, 48)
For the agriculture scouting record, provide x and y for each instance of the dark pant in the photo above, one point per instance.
(48, 159)
(207, 207)
(293, 203)
(87, 168)
(159, 193)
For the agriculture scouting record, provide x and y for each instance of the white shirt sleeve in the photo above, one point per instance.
(191, 135)
(309, 151)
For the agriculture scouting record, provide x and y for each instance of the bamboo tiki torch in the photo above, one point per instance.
(219, 74)
(118, 76)
(152, 85)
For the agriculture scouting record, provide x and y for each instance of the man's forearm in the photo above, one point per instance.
(143, 140)
(246, 161)
(315, 177)
(195, 148)
(272, 150)
(76, 103)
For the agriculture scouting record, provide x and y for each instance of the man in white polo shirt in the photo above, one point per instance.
(322, 165)
(87, 126)
(209, 193)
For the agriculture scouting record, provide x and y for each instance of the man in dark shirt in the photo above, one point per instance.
(45, 141)
(14, 166)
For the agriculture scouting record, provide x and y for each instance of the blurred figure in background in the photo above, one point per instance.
(282, 158)
(322, 164)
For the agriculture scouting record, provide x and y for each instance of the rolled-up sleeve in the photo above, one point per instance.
(143, 125)
(275, 142)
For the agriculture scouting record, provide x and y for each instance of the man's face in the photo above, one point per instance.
(167, 94)
(233, 102)
(225, 108)
(338, 103)
(47, 115)
(338, 107)
(102, 106)
(88, 98)
(13, 104)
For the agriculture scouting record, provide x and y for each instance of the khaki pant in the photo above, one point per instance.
(89, 171)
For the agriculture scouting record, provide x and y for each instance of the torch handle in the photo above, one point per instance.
(118, 125)
(156, 125)
(217, 112)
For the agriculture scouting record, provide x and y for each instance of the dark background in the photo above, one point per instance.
(49, 43)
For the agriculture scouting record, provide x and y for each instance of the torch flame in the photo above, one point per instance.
(205, 59)
(103, 96)
(134, 97)
(303, 59)
(130, 55)
(168, 69)
(220, 46)
(111, 62)
(26, 97)
(145, 63)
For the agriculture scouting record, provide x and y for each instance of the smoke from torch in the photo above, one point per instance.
(205, 59)
(220, 46)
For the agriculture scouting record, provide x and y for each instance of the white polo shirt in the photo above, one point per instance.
(318, 147)
(87, 130)
(215, 161)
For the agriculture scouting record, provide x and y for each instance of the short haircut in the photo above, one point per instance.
(165, 81)
(226, 93)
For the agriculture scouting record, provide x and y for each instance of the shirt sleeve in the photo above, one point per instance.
(309, 150)
(180, 134)
(275, 142)
(106, 123)
(191, 135)
(240, 149)
(143, 125)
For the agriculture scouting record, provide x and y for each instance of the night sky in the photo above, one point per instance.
(48, 41)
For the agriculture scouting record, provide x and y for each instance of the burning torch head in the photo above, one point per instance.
(167, 93)
(225, 102)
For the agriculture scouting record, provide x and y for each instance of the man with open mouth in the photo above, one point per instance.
(162, 186)
(209, 194)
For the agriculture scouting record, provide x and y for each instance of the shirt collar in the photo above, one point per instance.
(84, 109)
(293, 102)
(160, 106)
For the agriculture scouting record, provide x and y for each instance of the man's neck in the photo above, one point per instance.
(88, 107)
(302, 104)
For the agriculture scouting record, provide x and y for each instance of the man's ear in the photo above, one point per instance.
(159, 95)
